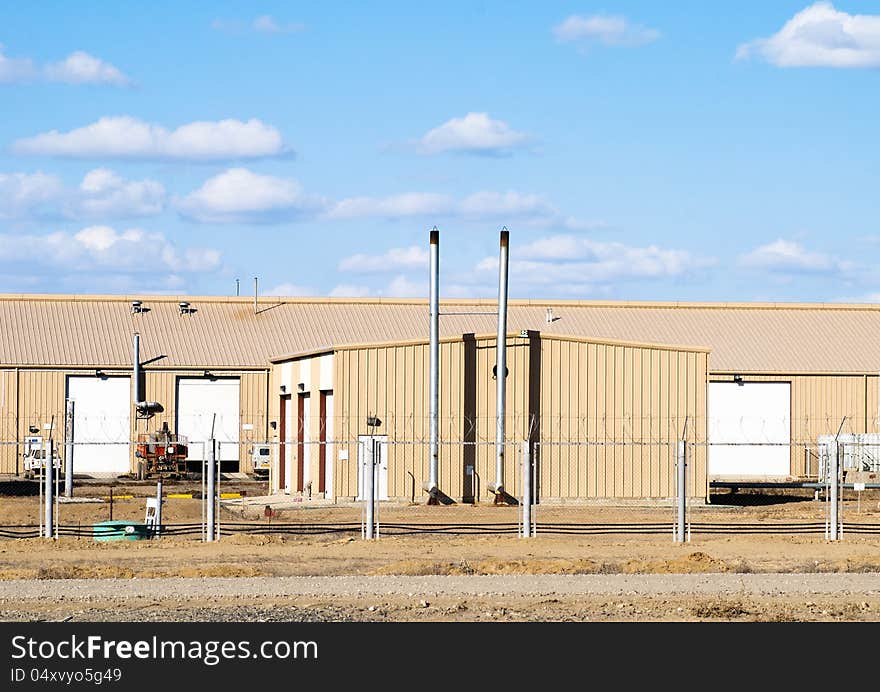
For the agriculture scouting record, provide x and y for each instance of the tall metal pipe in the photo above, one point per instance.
(680, 533)
(68, 448)
(211, 492)
(256, 293)
(138, 398)
(501, 363)
(434, 394)
(48, 495)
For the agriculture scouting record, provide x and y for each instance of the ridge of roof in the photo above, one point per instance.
(529, 302)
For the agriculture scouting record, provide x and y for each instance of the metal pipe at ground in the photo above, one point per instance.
(681, 523)
(68, 450)
(434, 349)
(211, 491)
(501, 364)
(48, 495)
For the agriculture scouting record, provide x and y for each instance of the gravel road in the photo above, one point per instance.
(531, 585)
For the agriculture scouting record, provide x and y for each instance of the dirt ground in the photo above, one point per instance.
(435, 554)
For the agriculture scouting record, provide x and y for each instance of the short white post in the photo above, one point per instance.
(681, 525)
(158, 529)
(48, 495)
(68, 451)
(369, 488)
(834, 519)
(211, 490)
(527, 490)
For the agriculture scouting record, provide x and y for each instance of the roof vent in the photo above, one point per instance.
(185, 308)
(137, 306)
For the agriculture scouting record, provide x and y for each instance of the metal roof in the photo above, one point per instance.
(56, 330)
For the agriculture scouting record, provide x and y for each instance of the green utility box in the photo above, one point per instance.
(120, 531)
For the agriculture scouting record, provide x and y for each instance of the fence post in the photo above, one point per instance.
(680, 533)
(158, 530)
(369, 488)
(527, 490)
(834, 520)
(48, 473)
(68, 452)
(211, 491)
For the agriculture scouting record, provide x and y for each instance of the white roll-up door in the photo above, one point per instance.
(101, 424)
(198, 400)
(749, 429)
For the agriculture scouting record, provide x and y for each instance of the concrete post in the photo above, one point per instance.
(158, 509)
(369, 488)
(48, 495)
(527, 490)
(834, 519)
(211, 493)
(681, 524)
(68, 450)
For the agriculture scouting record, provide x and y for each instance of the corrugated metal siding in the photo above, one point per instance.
(589, 393)
(611, 417)
(225, 332)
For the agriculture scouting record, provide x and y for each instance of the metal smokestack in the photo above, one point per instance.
(501, 363)
(137, 369)
(434, 394)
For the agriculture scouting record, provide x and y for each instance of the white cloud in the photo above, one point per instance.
(507, 207)
(15, 69)
(267, 25)
(288, 289)
(475, 133)
(102, 247)
(81, 68)
(413, 257)
(127, 137)
(395, 206)
(104, 194)
(605, 29)
(238, 196)
(820, 36)
(402, 287)
(583, 262)
(787, 257)
(26, 194)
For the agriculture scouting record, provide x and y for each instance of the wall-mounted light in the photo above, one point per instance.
(283, 388)
(301, 386)
(208, 373)
(738, 379)
(373, 421)
(100, 373)
(273, 424)
(185, 308)
(137, 306)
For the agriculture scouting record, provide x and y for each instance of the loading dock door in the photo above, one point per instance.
(749, 429)
(101, 424)
(198, 399)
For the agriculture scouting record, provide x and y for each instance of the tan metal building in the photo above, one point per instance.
(806, 368)
(605, 414)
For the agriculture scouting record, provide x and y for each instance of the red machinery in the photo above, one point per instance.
(163, 452)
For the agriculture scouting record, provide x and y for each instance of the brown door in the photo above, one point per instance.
(302, 432)
(282, 437)
(322, 443)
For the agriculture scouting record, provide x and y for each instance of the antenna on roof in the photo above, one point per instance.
(236, 288)
(256, 293)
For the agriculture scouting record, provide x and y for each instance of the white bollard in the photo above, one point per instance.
(48, 495)
(211, 492)
(680, 534)
(527, 491)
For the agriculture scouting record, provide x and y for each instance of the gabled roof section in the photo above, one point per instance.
(70, 331)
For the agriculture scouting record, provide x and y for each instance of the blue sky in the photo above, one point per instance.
(635, 150)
